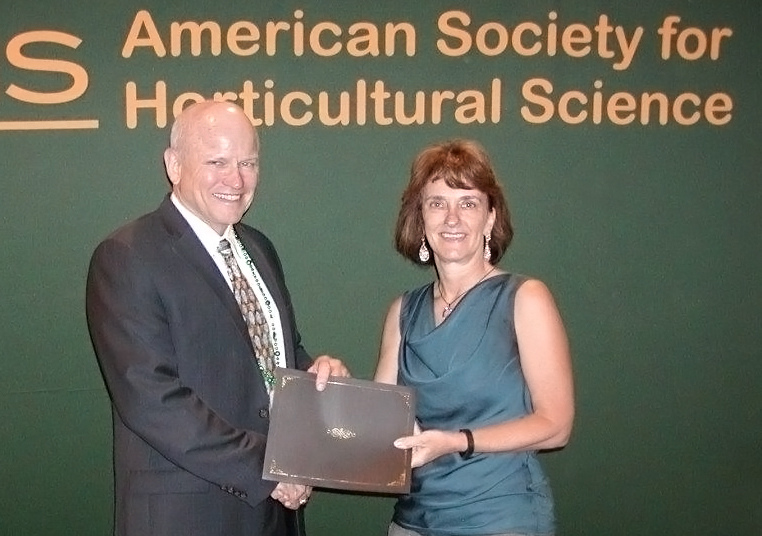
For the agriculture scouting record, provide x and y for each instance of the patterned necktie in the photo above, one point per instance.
(251, 309)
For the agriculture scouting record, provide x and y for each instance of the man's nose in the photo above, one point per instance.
(234, 177)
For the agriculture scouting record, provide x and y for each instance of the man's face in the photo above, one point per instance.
(214, 168)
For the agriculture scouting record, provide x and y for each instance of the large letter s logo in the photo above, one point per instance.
(18, 59)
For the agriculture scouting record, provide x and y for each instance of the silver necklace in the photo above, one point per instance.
(449, 306)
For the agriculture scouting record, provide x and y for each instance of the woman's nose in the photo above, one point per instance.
(453, 216)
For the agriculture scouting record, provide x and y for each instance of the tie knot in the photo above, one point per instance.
(224, 248)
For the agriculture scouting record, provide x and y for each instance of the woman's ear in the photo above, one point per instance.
(490, 222)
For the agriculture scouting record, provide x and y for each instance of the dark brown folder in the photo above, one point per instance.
(341, 437)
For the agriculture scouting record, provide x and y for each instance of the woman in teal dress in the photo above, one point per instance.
(486, 353)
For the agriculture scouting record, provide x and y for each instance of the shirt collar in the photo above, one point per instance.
(208, 236)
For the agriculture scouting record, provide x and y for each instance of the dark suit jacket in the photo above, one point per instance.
(190, 409)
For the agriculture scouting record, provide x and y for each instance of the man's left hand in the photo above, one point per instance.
(325, 366)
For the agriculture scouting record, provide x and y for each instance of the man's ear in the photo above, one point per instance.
(172, 165)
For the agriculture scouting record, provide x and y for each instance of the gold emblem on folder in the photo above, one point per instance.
(341, 433)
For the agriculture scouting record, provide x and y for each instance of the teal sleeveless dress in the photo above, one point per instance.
(466, 374)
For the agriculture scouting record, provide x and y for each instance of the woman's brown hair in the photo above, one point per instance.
(461, 164)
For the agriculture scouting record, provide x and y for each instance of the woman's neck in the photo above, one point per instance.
(455, 279)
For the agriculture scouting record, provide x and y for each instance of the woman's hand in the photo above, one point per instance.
(431, 444)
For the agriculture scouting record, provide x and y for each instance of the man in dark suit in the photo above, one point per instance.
(190, 403)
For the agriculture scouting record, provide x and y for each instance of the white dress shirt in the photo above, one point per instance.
(211, 240)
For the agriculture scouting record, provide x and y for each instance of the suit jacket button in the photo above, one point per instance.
(264, 413)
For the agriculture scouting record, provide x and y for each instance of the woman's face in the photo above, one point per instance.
(455, 222)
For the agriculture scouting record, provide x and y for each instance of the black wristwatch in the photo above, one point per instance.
(466, 454)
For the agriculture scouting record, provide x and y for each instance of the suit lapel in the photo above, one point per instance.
(186, 244)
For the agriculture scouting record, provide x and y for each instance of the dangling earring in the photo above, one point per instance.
(423, 252)
(487, 250)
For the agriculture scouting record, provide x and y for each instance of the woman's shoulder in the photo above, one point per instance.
(522, 291)
(411, 300)
(509, 281)
(415, 293)
(533, 297)
(519, 280)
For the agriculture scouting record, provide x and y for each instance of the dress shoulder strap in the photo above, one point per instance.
(412, 301)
